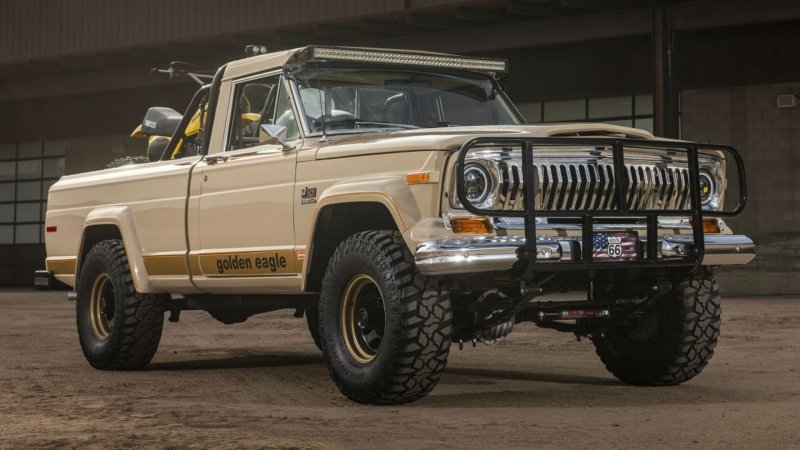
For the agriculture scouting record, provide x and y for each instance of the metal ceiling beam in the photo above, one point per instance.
(387, 27)
(147, 54)
(340, 32)
(556, 30)
(482, 15)
(430, 21)
(584, 27)
(528, 8)
(79, 63)
(700, 15)
(288, 39)
(77, 83)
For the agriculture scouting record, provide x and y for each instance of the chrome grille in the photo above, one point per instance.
(572, 186)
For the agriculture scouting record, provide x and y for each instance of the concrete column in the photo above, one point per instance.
(665, 92)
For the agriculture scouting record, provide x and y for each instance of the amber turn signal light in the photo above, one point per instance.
(470, 225)
(710, 226)
(418, 177)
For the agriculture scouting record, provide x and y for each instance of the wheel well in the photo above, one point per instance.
(334, 224)
(92, 236)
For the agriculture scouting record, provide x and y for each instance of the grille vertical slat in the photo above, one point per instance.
(652, 186)
(593, 185)
(563, 193)
(633, 194)
(647, 185)
(665, 180)
(577, 185)
(611, 188)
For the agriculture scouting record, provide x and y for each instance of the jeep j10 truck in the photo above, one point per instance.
(399, 201)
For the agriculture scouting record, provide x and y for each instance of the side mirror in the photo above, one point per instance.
(273, 134)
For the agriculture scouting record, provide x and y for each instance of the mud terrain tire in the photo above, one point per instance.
(415, 316)
(118, 328)
(671, 343)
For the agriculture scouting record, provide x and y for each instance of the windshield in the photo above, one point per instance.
(360, 99)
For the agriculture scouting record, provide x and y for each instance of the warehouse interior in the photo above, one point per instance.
(75, 80)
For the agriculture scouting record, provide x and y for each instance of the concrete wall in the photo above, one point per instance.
(87, 154)
(769, 140)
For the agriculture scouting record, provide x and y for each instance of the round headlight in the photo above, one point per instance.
(476, 183)
(707, 188)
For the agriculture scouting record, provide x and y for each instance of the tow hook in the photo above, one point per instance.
(661, 287)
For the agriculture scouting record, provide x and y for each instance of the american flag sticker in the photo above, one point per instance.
(615, 246)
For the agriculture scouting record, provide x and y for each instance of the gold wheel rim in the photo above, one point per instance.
(362, 318)
(102, 294)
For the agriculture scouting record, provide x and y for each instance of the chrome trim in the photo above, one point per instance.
(518, 223)
(720, 249)
(482, 254)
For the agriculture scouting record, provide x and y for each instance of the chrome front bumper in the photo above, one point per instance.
(473, 255)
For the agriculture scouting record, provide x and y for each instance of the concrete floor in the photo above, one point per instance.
(264, 384)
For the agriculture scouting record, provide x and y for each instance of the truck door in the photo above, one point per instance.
(241, 208)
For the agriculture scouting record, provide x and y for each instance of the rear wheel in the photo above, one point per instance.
(671, 342)
(118, 328)
(385, 328)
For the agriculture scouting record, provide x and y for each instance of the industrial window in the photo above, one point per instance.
(27, 170)
(628, 110)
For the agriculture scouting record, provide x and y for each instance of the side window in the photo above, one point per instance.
(253, 105)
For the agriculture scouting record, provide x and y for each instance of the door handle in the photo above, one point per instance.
(213, 159)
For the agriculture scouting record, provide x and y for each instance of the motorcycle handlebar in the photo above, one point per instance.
(172, 72)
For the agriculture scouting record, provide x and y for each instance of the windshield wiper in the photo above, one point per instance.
(356, 123)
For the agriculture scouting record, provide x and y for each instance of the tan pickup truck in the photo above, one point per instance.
(400, 202)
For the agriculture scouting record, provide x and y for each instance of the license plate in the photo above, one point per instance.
(615, 246)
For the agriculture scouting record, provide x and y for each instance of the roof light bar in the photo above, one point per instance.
(407, 58)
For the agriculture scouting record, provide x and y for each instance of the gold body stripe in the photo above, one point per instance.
(165, 265)
(194, 265)
(263, 263)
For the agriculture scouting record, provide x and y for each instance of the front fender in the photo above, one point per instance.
(392, 192)
(122, 218)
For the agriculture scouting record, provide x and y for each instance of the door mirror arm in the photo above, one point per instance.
(274, 134)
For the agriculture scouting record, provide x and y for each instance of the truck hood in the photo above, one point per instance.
(451, 138)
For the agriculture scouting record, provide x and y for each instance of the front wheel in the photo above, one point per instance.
(118, 328)
(671, 342)
(385, 328)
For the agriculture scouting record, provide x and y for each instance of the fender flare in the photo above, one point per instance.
(122, 218)
(390, 191)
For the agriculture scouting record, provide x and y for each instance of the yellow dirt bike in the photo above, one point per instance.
(160, 123)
